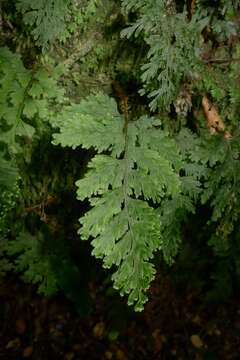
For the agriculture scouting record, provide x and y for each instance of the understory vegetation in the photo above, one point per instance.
(119, 126)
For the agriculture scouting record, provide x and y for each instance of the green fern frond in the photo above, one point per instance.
(32, 262)
(120, 184)
(8, 173)
(94, 123)
(47, 18)
(24, 96)
(174, 48)
(213, 173)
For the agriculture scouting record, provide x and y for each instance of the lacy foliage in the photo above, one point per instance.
(133, 168)
(46, 18)
(26, 105)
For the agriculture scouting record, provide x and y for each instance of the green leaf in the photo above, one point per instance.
(30, 109)
(93, 123)
(138, 167)
(8, 173)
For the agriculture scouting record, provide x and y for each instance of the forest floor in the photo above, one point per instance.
(174, 325)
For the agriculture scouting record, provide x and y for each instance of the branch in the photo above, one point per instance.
(220, 61)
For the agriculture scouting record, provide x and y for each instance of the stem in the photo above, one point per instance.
(221, 61)
(126, 196)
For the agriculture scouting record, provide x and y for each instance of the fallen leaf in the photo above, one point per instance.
(159, 339)
(99, 329)
(213, 330)
(21, 326)
(197, 320)
(27, 352)
(196, 341)
(77, 347)
(120, 355)
(13, 344)
(108, 355)
(69, 356)
(218, 332)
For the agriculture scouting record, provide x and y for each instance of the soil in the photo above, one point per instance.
(174, 325)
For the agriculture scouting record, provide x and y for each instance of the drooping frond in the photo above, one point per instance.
(138, 169)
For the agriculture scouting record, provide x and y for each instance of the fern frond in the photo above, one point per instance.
(24, 96)
(47, 18)
(126, 230)
(174, 45)
(92, 123)
(32, 262)
(213, 173)
(8, 173)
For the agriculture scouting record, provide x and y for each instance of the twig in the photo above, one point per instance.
(221, 61)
